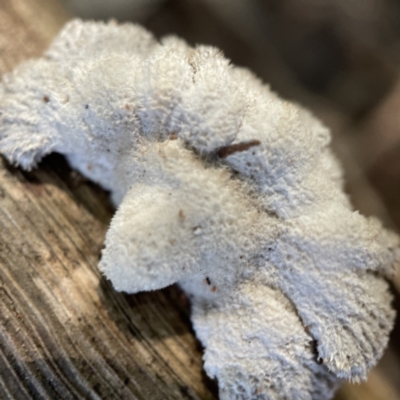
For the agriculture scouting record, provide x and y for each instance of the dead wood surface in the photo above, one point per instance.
(64, 332)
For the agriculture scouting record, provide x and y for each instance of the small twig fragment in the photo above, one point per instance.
(226, 151)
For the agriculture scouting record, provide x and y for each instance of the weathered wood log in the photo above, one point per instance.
(64, 332)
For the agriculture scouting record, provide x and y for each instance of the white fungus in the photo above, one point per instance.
(222, 187)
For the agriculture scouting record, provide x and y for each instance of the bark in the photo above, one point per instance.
(64, 332)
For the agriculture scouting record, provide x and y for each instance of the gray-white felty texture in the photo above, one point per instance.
(222, 187)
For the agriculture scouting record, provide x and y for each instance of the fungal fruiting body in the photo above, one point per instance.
(222, 187)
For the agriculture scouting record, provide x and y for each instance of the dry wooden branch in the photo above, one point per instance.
(64, 332)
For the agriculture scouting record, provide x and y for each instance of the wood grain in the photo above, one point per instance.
(64, 332)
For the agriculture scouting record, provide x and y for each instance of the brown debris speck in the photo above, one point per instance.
(226, 151)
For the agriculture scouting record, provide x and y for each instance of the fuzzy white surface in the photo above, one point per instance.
(222, 187)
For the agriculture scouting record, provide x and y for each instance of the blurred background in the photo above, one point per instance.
(339, 58)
